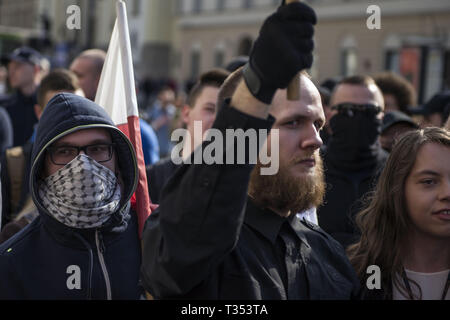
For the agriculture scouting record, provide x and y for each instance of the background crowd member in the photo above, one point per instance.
(353, 156)
(19, 209)
(84, 244)
(395, 123)
(325, 96)
(6, 131)
(201, 106)
(161, 115)
(398, 93)
(3, 81)
(88, 67)
(1, 207)
(220, 229)
(24, 75)
(435, 111)
(407, 235)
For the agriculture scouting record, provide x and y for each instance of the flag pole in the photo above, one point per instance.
(293, 90)
(142, 196)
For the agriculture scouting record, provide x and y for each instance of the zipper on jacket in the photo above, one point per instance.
(100, 250)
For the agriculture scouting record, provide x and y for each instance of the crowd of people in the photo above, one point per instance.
(363, 181)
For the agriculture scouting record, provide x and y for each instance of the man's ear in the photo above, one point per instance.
(38, 111)
(185, 111)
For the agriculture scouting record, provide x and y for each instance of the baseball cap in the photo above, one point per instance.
(24, 54)
(437, 104)
(394, 117)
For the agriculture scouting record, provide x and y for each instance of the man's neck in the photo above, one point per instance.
(427, 255)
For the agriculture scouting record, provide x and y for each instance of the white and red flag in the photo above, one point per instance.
(117, 95)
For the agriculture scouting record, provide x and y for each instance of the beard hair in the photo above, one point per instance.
(285, 192)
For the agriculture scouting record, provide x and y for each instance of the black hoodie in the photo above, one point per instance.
(49, 260)
(353, 160)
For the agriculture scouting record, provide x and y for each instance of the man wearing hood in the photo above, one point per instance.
(353, 157)
(84, 244)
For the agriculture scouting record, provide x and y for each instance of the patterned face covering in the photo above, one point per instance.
(83, 194)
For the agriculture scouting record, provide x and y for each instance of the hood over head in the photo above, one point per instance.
(66, 113)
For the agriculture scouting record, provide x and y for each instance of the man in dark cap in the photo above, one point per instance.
(395, 123)
(435, 112)
(24, 74)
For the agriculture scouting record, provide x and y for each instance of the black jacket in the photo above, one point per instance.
(23, 118)
(157, 176)
(8, 212)
(6, 131)
(345, 193)
(47, 259)
(207, 241)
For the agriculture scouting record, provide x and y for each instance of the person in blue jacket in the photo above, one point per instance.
(150, 144)
(84, 244)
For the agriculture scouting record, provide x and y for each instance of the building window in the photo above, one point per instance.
(245, 46)
(349, 62)
(392, 61)
(220, 5)
(179, 7)
(136, 7)
(349, 58)
(195, 64)
(219, 58)
(447, 70)
(197, 8)
(247, 4)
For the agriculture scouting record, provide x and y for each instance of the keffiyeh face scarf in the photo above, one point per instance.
(83, 194)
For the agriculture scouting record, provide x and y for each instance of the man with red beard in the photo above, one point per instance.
(299, 183)
(224, 231)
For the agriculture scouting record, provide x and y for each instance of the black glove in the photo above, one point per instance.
(283, 48)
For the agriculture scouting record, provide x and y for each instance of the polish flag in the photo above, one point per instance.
(117, 95)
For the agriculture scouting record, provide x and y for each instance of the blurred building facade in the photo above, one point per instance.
(179, 39)
(414, 38)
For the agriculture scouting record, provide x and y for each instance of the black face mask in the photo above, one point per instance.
(354, 140)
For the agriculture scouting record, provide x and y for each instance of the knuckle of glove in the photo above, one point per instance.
(304, 46)
(306, 60)
(297, 11)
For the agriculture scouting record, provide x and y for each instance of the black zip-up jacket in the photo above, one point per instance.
(207, 241)
(346, 195)
(47, 259)
(6, 131)
(21, 111)
(157, 176)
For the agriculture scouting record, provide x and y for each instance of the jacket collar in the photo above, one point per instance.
(269, 224)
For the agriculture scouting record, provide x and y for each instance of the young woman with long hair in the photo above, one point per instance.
(405, 229)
